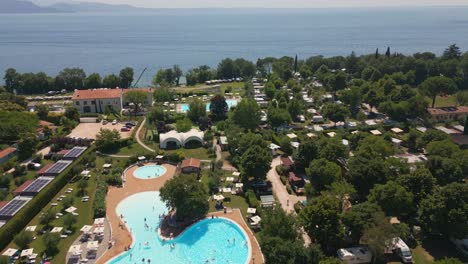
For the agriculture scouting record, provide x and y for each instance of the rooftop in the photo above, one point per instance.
(23, 186)
(190, 163)
(286, 161)
(448, 110)
(6, 152)
(96, 94)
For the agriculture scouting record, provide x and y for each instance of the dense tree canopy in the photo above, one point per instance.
(247, 114)
(186, 195)
(197, 110)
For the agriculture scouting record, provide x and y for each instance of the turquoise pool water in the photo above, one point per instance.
(230, 102)
(204, 242)
(149, 171)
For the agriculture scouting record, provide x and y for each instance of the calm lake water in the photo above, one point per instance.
(105, 43)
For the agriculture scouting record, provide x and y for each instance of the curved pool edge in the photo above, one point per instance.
(127, 227)
(249, 256)
(149, 164)
(244, 232)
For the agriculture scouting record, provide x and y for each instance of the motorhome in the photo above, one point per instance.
(397, 246)
(355, 255)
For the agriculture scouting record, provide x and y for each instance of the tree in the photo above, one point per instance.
(164, 78)
(50, 242)
(187, 196)
(323, 173)
(72, 78)
(445, 170)
(335, 112)
(46, 218)
(183, 125)
(218, 107)
(255, 162)
(126, 77)
(278, 116)
(376, 236)
(42, 111)
(4, 260)
(69, 220)
(82, 185)
(137, 98)
(72, 113)
(107, 140)
(227, 69)
(277, 223)
(163, 94)
(23, 239)
(177, 74)
(307, 152)
(285, 145)
(374, 147)
(247, 114)
(321, 220)
(14, 124)
(295, 108)
(332, 149)
(419, 182)
(387, 53)
(337, 81)
(93, 81)
(360, 218)
(444, 212)
(439, 85)
(111, 81)
(197, 110)
(12, 80)
(27, 145)
(365, 172)
(392, 198)
(452, 52)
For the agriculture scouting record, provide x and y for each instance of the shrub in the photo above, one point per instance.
(24, 216)
(23, 239)
(251, 199)
(99, 204)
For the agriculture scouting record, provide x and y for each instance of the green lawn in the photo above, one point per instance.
(84, 209)
(431, 250)
(133, 149)
(442, 101)
(198, 153)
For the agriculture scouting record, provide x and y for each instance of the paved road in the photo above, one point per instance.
(286, 200)
(137, 136)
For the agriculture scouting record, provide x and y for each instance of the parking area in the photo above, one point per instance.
(90, 130)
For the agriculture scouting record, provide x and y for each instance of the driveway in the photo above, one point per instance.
(286, 200)
(90, 130)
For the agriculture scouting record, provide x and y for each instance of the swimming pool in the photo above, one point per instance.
(230, 102)
(204, 242)
(149, 171)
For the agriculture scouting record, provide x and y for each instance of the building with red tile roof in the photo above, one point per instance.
(448, 113)
(97, 100)
(286, 161)
(7, 154)
(44, 169)
(21, 188)
(190, 165)
(3, 203)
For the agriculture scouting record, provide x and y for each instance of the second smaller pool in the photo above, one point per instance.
(149, 171)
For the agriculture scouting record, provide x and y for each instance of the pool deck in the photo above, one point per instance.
(122, 237)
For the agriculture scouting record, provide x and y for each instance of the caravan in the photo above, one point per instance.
(398, 246)
(355, 255)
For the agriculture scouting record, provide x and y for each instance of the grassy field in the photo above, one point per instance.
(442, 101)
(84, 209)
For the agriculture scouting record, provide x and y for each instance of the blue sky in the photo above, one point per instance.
(270, 3)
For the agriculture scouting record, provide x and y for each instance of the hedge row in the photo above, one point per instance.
(25, 215)
(99, 204)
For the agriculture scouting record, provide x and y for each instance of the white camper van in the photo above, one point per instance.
(355, 255)
(398, 246)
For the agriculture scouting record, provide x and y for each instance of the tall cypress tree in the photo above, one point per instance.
(295, 64)
(377, 53)
(387, 54)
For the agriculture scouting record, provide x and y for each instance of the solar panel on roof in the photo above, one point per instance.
(37, 185)
(12, 207)
(75, 152)
(58, 167)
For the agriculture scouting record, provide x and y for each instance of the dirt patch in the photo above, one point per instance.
(90, 130)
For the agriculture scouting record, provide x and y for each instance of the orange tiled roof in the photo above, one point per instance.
(191, 163)
(96, 94)
(448, 110)
(6, 152)
(23, 186)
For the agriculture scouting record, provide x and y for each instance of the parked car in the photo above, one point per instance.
(104, 122)
(129, 124)
(125, 129)
(114, 122)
